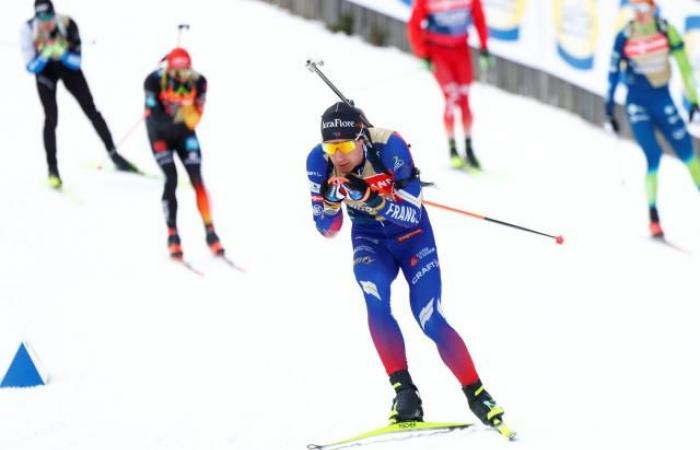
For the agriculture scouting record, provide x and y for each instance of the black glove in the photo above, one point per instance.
(332, 198)
(486, 60)
(357, 188)
(614, 124)
(693, 110)
(332, 191)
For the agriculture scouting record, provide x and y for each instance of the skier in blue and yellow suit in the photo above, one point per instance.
(642, 50)
(372, 172)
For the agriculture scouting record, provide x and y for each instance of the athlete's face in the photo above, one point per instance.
(643, 11)
(47, 26)
(181, 75)
(345, 162)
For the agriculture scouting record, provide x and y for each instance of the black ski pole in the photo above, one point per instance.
(313, 67)
(180, 28)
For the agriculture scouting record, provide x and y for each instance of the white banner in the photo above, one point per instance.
(571, 39)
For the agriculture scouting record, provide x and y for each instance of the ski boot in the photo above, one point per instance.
(406, 406)
(122, 163)
(174, 246)
(55, 179)
(483, 405)
(655, 224)
(656, 230)
(456, 161)
(471, 158)
(213, 241)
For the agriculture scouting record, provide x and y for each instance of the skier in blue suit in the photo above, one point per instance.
(641, 58)
(371, 171)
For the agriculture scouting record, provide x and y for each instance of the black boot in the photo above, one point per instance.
(174, 245)
(482, 404)
(121, 163)
(456, 161)
(471, 158)
(406, 406)
(655, 223)
(213, 241)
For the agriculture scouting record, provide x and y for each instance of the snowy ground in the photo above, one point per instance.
(588, 345)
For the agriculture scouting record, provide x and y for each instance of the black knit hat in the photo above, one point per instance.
(43, 8)
(342, 121)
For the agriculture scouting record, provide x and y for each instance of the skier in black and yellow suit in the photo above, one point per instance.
(52, 50)
(175, 96)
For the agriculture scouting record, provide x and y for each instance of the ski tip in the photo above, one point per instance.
(70, 195)
(180, 261)
(314, 446)
(506, 432)
(230, 262)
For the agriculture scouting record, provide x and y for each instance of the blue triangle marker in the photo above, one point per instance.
(22, 371)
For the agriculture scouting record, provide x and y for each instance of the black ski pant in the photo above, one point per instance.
(166, 141)
(75, 83)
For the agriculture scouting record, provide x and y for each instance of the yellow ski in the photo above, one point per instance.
(401, 427)
(505, 431)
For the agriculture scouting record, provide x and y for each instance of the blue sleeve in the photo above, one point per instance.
(37, 64)
(614, 74)
(71, 60)
(328, 218)
(406, 207)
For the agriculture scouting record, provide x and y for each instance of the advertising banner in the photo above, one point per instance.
(505, 18)
(571, 39)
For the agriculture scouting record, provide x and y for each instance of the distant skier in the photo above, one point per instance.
(175, 96)
(641, 56)
(372, 172)
(437, 31)
(52, 51)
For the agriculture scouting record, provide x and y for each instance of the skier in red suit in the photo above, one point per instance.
(438, 34)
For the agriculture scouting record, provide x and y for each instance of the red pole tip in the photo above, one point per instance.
(559, 239)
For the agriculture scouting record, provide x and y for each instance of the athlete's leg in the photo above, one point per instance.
(420, 265)
(46, 85)
(640, 120)
(191, 156)
(163, 154)
(375, 269)
(77, 85)
(443, 70)
(465, 76)
(676, 133)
